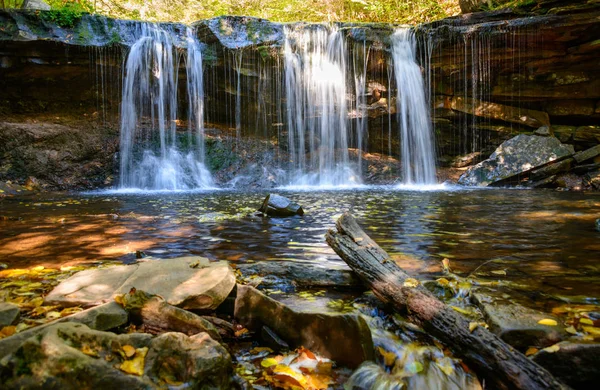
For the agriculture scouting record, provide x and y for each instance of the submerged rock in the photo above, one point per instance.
(516, 156)
(576, 364)
(516, 324)
(344, 338)
(72, 356)
(275, 273)
(279, 206)
(9, 314)
(188, 282)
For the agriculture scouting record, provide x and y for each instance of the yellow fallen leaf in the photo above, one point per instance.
(89, 351)
(461, 310)
(38, 268)
(443, 282)
(548, 322)
(411, 283)
(498, 272)
(135, 366)
(531, 351)
(52, 315)
(592, 330)
(571, 329)
(128, 350)
(261, 349)
(8, 331)
(586, 321)
(285, 377)
(268, 362)
(389, 358)
(552, 348)
(119, 299)
(473, 326)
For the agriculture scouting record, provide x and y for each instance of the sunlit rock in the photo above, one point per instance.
(516, 156)
(187, 282)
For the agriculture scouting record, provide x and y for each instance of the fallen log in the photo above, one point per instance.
(492, 359)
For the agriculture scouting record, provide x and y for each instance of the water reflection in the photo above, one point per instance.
(537, 235)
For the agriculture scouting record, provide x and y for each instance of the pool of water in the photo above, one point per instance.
(543, 239)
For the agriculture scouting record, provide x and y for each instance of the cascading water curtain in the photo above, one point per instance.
(151, 156)
(416, 136)
(317, 111)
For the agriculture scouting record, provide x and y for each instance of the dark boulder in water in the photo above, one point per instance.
(279, 206)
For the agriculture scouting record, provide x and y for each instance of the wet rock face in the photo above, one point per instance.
(576, 364)
(96, 360)
(518, 325)
(344, 338)
(516, 156)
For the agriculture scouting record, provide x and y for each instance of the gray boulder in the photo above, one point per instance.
(279, 206)
(575, 364)
(9, 314)
(37, 5)
(516, 324)
(344, 338)
(72, 356)
(187, 282)
(104, 317)
(516, 156)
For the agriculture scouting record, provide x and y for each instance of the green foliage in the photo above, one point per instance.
(67, 14)
(187, 11)
(11, 3)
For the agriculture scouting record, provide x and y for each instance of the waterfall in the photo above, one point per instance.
(416, 137)
(152, 156)
(317, 112)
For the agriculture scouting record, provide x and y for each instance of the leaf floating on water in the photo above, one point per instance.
(592, 330)
(548, 322)
(414, 367)
(499, 272)
(531, 351)
(135, 366)
(446, 265)
(586, 321)
(552, 348)
(389, 358)
(411, 283)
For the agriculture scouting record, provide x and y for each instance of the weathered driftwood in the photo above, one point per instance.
(493, 360)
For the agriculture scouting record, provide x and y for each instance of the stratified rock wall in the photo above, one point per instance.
(492, 76)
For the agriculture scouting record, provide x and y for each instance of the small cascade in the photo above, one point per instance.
(152, 155)
(317, 110)
(416, 137)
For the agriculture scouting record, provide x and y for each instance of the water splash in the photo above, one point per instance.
(317, 112)
(416, 137)
(152, 156)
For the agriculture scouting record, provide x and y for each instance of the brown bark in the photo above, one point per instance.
(492, 359)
